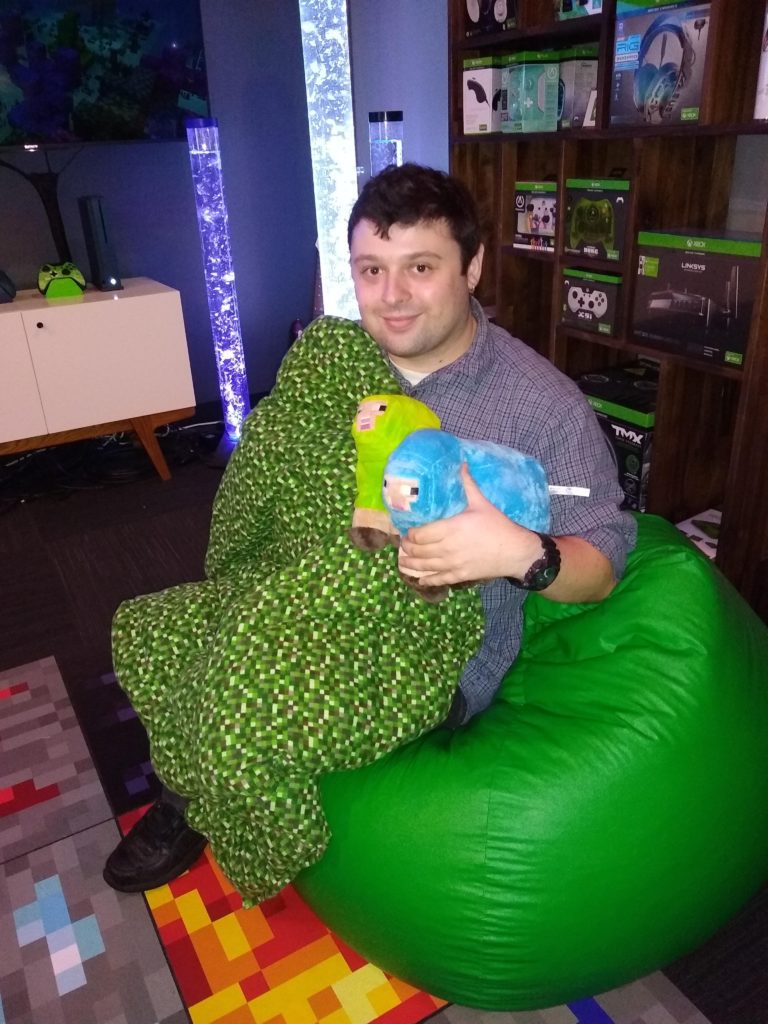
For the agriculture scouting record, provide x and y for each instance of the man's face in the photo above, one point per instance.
(413, 297)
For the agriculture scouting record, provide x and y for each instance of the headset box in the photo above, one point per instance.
(658, 62)
(590, 300)
(530, 83)
(535, 215)
(578, 77)
(695, 295)
(484, 16)
(577, 8)
(624, 401)
(481, 102)
(596, 217)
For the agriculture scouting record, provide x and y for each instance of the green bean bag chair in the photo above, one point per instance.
(605, 815)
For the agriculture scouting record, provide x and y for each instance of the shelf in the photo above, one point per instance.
(711, 433)
(571, 30)
(618, 132)
(633, 347)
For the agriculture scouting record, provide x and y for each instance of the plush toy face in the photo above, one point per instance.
(421, 480)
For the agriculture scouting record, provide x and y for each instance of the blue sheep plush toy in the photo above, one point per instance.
(422, 483)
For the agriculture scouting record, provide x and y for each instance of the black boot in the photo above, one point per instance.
(159, 847)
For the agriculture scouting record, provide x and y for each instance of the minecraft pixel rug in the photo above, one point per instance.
(274, 963)
(73, 951)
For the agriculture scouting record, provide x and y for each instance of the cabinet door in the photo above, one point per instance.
(118, 357)
(21, 412)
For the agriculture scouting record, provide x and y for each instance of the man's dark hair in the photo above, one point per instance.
(410, 194)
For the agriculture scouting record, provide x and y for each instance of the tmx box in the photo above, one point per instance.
(624, 401)
(695, 295)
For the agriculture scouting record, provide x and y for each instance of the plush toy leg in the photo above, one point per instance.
(372, 530)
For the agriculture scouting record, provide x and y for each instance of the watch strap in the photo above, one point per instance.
(544, 570)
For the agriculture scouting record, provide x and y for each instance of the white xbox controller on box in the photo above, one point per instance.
(591, 301)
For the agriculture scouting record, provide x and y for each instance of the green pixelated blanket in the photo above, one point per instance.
(298, 654)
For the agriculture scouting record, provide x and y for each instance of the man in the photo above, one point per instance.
(416, 259)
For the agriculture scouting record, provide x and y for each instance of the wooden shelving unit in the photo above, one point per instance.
(711, 435)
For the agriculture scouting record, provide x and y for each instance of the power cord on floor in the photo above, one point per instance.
(62, 470)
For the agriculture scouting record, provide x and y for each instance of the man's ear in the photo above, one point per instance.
(475, 268)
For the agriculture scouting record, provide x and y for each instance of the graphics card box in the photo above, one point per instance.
(624, 401)
(596, 217)
(535, 215)
(695, 295)
(530, 83)
(590, 300)
(658, 62)
(484, 16)
(578, 77)
(481, 95)
(577, 8)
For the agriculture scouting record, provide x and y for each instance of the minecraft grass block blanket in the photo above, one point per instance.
(298, 654)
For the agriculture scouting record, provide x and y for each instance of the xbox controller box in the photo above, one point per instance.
(658, 61)
(596, 217)
(535, 215)
(484, 16)
(578, 77)
(577, 8)
(481, 95)
(624, 401)
(530, 84)
(590, 300)
(694, 295)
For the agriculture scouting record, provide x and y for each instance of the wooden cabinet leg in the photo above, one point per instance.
(143, 428)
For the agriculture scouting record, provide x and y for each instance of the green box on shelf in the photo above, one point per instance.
(535, 215)
(530, 82)
(481, 95)
(694, 295)
(659, 56)
(596, 217)
(624, 401)
(577, 8)
(590, 300)
(578, 78)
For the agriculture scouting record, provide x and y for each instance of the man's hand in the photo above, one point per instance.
(478, 543)
(482, 543)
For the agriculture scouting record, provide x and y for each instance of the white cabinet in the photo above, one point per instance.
(93, 364)
(21, 412)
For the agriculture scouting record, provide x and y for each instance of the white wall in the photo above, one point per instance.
(399, 58)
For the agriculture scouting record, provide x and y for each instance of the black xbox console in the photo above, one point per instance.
(7, 288)
(101, 255)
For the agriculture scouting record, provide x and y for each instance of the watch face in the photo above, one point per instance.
(473, 10)
(500, 11)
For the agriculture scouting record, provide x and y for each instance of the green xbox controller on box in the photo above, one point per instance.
(595, 217)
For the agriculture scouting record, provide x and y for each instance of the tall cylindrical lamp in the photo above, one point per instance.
(213, 222)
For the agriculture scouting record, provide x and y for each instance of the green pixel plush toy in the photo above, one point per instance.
(381, 423)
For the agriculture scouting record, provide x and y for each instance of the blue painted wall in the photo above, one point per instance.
(256, 82)
(400, 62)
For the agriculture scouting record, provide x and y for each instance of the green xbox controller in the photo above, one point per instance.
(59, 280)
(592, 222)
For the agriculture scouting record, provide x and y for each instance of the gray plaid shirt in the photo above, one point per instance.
(501, 390)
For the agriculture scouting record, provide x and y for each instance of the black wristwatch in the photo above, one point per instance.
(544, 570)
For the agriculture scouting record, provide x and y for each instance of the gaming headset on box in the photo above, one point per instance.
(656, 88)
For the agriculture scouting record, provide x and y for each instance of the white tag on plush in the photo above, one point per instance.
(580, 492)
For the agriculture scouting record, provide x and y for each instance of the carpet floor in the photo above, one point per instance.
(73, 951)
